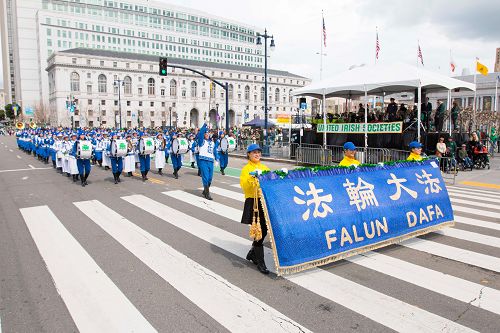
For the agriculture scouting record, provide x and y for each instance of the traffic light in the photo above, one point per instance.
(163, 66)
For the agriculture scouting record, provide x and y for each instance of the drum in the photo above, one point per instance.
(119, 148)
(180, 146)
(83, 149)
(146, 146)
(227, 144)
(59, 154)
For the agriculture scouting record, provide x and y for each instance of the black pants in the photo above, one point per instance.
(247, 218)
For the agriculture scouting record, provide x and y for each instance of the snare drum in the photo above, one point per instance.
(180, 146)
(83, 149)
(119, 148)
(227, 144)
(146, 146)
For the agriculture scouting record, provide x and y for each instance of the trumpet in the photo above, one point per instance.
(33, 125)
(20, 125)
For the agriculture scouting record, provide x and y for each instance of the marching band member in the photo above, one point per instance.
(222, 155)
(176, 158)
(130, 158)
(191, 150)
(83, 164)
(45, 147)
(116, 161)
(58, 148)
(248, 184)
(73, 166)
(106, 161)
(415, 151)
(168, 142)
(135, 142)
(349, 155)
(98, 149)
(144, 160)
(52, 151)
(206, 158)
(66, 148)
(160, 153)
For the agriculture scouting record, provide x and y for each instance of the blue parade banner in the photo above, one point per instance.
(319, 217)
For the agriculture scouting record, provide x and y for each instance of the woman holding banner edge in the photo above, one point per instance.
(253, 206)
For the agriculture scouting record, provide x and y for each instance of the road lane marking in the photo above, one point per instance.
(19, 157)
(30, 169)
(490, 194)
(226, 193)
(11, 150)
(480, 198)
(477, 223)
(480, 204)
(449, 252)
(229, 305)
(478, 184)
(31, 166)
(479, 212)
(389, 311)
(93, 300)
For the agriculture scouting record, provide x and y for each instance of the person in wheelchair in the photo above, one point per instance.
(463, 158)
(480, 153)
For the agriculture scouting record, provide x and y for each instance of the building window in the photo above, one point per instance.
(102, 83)
(139, 91)
(90, 113)
(290, 96)
(127, 85)
(173, 88)
(277, 95)
(102, 63)
(129, 113)
(89, 89)
(151, 87)
(152, 113)
(88, 75)
(89, 102)
(152, 103)
(193, 89)
(230, 91)
(103, 113)
(73, 60)
(103, 102)
(262, 94)
(75, 82)
(162, 92)
(128, 103)
(163, 104)
(116, 103)
(140, 103)
(183, 93)
(115, 64)
(247, 93)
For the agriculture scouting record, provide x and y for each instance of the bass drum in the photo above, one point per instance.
(83, 149)
(227, 144)
(119, 148)
(180, 146)
(146, 146)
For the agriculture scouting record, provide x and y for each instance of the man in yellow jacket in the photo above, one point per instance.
(349, 155)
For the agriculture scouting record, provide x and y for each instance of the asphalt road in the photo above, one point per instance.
(154, 256)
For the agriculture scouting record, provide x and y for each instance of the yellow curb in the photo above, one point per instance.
(153, 180)
(487, 185)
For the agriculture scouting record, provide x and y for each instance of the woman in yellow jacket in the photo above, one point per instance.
(248, 183)
(415, 151)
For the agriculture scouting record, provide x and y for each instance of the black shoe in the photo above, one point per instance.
(143, 176)
(176, 176)
(160, 172)
(146, 174)
(83, 183)
(222, 172)
(106, 167)
(85, 179)
(130, 174)
(259, 257)
(199, 172)
(115, 177)
(207, 193)
(192, 165)
(251, 256)
(118, 174)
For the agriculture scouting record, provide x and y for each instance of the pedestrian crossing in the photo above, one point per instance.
(96, 303)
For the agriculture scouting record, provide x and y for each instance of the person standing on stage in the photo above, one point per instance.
(176, 158)
(144, 159)
(160, 145)
(349, 155)
(248, 184)
(439, 116)
(206, 158)
(116, 161)
(455, 110)
(83, 165)
(415, 151)
(222, 154)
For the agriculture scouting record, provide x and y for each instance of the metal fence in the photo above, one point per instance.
(448, 167)
(314, 155)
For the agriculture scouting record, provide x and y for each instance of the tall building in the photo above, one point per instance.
(32, 30)
(112, 87)
(497, 60)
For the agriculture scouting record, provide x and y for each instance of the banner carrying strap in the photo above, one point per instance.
(255, 229)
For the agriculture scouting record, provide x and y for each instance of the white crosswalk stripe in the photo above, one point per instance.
(235, 310)
(239, 310)
(94, 301)
(389, 311)
(473, 190)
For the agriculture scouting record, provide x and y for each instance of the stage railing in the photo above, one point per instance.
(313, 154)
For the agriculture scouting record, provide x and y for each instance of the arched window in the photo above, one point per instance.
(230, 91)
(173, 88)
(277, 95)
(262, 94)
(151, 87)
(247, 93)
(102, 83)
(194, 89)
(290, 96)
(75, 82)
(127, 84)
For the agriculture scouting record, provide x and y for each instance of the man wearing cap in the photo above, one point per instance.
(73, 166)
(176, 158)
(248, 185)
(83, 165)
(349, 155)
(222, 156)
(206, 158)
(144, 159)
(415, 151)
(116, 161)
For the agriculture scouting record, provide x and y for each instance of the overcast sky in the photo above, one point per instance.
(469, 28)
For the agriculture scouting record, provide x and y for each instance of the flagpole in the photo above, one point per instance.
(475, 96)
(321, 48)
(496, 93)
(323, 40)
(449, 98)
(376, 44)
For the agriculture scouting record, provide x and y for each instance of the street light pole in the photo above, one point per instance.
(119, 83)
(265, 150)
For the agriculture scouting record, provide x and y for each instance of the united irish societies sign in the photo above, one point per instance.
(373, 128)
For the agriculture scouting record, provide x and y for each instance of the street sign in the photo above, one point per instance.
(28, 111)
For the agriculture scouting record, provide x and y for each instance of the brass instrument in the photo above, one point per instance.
(33, 125)
(20, 125)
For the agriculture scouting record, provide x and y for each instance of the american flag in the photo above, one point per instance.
(419, 55)
(324, 32)
(377, 47)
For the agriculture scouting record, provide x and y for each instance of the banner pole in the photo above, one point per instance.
(366, 122)
(419, 108)
(324, 118)
(449, 109)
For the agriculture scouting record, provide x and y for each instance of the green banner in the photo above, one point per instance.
(373, 128)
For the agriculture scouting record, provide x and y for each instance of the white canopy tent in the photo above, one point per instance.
(378, 80)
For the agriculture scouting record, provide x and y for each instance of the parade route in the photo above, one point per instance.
(156, 256)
